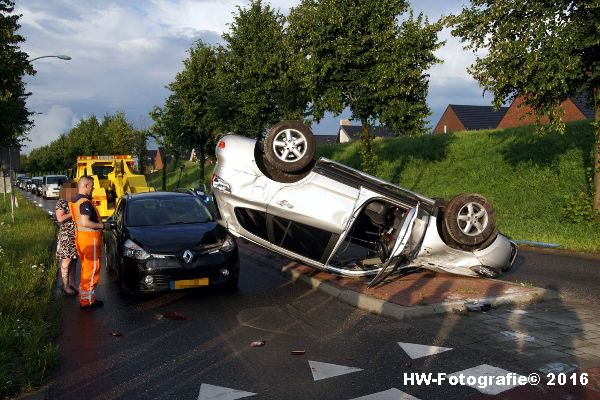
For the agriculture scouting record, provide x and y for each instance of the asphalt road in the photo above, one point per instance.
(132, 349)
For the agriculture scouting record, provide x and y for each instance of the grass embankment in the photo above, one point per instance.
(190, 177)
(526, 176)
(29, 317)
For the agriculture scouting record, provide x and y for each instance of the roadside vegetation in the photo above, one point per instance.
(29, 313)
(190, 176)
(540, 185)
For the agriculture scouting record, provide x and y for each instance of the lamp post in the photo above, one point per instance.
(61, 56)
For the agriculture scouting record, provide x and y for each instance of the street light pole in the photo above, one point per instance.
(61, 56)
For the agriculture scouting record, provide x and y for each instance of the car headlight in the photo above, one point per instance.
(220, 184)
(228, 244)
(132, 250)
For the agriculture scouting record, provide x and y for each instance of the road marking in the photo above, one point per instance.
(321, 370)
(210, 392)
(558, 367)
(490, 371)
(392, 394)
(517, 335)
(415, 351)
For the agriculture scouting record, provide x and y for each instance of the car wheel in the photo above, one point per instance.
(470, 220)
(231, 285)
(289, 146)
(124, 289)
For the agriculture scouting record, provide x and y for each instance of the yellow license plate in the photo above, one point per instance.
(189, 283)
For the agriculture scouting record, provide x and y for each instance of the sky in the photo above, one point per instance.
(124, 53)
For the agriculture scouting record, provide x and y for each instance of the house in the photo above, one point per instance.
(459, 117)
(155, 159)
(349, 133)
(575, 109)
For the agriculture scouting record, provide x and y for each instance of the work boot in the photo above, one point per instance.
(95, 304)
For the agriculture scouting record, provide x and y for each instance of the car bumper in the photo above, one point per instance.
(165, 272)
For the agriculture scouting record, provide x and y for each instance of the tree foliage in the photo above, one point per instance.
(194, 89)
(113, 135)
(14, 116)
(327, 56)
(257, 71)
(355, 54)
(543, 51)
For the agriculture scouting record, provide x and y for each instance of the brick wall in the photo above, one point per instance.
(450, 120)
(512, 118)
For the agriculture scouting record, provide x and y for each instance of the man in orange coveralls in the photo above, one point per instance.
(88, 240)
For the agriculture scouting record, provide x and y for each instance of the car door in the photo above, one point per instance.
(308, 217)
(114, 237)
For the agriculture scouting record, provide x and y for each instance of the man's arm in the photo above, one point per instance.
(87, 223)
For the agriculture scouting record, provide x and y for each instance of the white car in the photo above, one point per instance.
(341, 220)
(51, 185)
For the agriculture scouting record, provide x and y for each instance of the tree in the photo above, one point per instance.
(14, 116)
(256, 71)
(544, 51)
(356, 55)
(166, 128)
(140, 148)
(195, 92)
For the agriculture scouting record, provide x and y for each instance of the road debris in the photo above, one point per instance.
(258, 343)
(174, 315)
(116, 334)
(478, 306)
(298, 352)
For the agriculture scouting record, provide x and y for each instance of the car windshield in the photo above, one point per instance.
(101, 171)
(167, 211)
(56, 180)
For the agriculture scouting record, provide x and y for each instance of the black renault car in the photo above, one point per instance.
(162, 241)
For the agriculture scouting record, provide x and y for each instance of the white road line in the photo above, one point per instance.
(211, 392)
(415, 351)
(518, 336)
(490, 371)
(558, 367)
(392, 394)
(321, 370)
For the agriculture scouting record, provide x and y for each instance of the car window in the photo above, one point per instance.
(101, 171)
(299, 238)
(167, 211)
(50, 180)
(253, 221)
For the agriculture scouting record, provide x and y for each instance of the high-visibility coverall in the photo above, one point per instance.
(89, 248)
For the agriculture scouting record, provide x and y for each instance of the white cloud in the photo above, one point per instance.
(50, 125)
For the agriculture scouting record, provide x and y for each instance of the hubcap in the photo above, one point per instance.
(472, 219)
(289, 145)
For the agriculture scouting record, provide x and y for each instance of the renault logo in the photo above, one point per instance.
(187, 256)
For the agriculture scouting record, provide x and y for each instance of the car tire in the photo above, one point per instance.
(124, 289)
(289, 146)
(470, 220)
(232, 284)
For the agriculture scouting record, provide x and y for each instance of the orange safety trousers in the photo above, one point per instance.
(89, 248)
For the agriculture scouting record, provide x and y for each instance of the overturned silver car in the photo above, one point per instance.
(335, 218)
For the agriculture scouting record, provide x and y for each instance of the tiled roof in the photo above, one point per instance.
(478, 117)
(585, 106)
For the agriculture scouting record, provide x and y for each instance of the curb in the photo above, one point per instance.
(391, 310)
(42, 393)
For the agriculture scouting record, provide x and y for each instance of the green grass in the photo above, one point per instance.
(29, 316)
(526, 176)
(190, 177)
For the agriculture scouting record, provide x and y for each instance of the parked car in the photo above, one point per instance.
(336, 218)
(51, 185)
(36, 184)
(162, 241)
